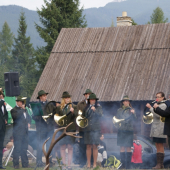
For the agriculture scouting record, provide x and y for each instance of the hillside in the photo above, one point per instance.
(139, 10)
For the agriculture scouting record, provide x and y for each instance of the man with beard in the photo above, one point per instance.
(3, 122)
(81, 106)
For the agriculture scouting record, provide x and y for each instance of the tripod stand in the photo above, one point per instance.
(10, 153)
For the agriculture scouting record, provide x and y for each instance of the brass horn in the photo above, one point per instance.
(117, 122)
(148, 118)
(25, 99)
(59, 119)
(81, 121)
(46, 117)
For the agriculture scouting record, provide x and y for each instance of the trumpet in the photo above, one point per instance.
(81, 121)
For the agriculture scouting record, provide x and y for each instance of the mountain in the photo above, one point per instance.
(11, 15)
(139, 10)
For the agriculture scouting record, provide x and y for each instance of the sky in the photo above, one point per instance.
(33, 4)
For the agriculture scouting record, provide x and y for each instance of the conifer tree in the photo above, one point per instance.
(6, 41)
(55, 15)
(158, 17)
(24, 59)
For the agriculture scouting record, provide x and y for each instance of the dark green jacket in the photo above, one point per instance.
(93, 118)
(70, 118)
(124, 113)
(81, 105)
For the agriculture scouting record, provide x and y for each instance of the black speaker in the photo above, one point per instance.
(12, 84)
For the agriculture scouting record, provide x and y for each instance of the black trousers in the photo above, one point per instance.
(41, 137)
(20, 148)
(2, 136)
(82, 153)
(169, 141)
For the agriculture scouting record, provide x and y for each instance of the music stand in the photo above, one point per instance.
(10, 153)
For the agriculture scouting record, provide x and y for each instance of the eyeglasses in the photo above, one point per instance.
(158, 97)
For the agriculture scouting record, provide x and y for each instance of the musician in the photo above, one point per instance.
(68, 141)
(125, 131)
(157, 129)
(81, 106)
(44, 130)
(3, 122)
(166, 114)
(92, 112)
(22, 121)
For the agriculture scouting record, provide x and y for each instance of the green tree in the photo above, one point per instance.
(112, 24)
(157, 17)
(24, 59)
(133, 22)
(54, 16)
(6, 41)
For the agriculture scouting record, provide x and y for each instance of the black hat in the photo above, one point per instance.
(66, 95)
(93, 96)
(88, 91)
(40, 93)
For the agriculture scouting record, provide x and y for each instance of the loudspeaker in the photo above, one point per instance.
(12, 84)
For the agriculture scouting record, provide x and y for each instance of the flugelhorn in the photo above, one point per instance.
(81, 121)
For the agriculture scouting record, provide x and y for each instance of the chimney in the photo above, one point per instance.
(124, 20)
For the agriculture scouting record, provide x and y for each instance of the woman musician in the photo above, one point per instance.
(68, 141)
(125, 131)
(92, 112)
(157, 130)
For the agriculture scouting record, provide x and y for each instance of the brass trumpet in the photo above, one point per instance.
(81, 121)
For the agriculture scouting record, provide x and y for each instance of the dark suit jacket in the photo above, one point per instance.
(3, 116)
(20, 125)
(166, 114)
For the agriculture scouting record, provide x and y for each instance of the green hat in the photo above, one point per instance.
(93, 96)
(88, 91)
(66, 95)
(40, 93)
(125, 98)
(19, 98)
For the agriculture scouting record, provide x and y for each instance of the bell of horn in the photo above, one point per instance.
(81, 121)
(162, 119)
(117, 122)
(59, 119)
(148, 118)
(46, 117)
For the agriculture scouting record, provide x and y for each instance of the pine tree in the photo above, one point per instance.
(6, 41)
(112, 24)
(24, 59)
(158, 16)
(54, 16)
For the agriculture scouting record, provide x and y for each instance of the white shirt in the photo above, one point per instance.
(2, 107)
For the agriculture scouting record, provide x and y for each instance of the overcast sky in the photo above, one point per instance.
(33, 4)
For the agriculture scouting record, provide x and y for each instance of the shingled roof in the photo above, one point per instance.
(111, 62)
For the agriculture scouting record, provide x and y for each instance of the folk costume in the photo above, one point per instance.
(82, 153)
(21, 119)
(3, 118)
(125, 132)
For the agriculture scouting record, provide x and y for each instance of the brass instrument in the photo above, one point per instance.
(60, 119)
(117, 122)
(25, 100)
(81, 121)
(148, 118)
(47, 117)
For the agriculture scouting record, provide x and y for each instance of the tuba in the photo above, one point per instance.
(81, 121)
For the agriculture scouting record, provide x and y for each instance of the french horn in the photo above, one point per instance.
(81, 121)
(117, 122)
(148, 118)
